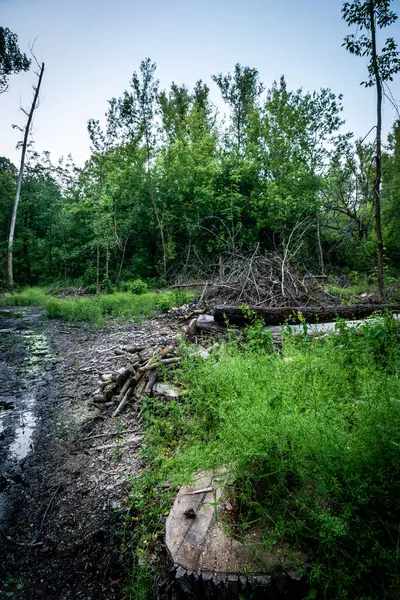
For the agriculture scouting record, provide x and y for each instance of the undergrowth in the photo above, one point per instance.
(311, 438)
(126, 306)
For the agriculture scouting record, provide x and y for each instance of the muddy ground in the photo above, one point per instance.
(63, 498)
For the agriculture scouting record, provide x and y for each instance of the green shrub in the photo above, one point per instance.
(97, 308)
(135, 287)
(311, 438)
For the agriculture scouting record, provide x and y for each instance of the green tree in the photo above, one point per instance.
(186, 167)
(391, 195)
(12, 60)
(241, 92)
(369, 15)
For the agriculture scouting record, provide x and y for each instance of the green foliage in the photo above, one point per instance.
(159, 195)
(12, 60)
(150, 501)
(363, 14)
(169, 188)
(97, 309)
(257, 336)
(137, 286)
(311, 438)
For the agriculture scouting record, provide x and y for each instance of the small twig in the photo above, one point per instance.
(100, 435)
(202, 491)
(23, 544)
(48, 506)
(123, 402)
(133, 440)
(106, 349)
(202, 294)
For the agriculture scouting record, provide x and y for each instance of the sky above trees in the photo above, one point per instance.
(91, 49)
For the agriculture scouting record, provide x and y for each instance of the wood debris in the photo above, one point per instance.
(146, 366)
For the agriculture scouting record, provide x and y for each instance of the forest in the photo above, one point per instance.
(171, 188)
(205, 316)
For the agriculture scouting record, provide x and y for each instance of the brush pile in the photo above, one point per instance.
(263, 279)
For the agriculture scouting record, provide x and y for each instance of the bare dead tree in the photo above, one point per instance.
(300, 227)
(29, 115)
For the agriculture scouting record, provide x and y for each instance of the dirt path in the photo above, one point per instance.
(63, 500)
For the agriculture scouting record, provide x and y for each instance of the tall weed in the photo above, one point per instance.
(97, 309)
(312, 440)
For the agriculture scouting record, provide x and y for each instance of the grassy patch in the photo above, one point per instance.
(97, 309)
(312, 440)
(350, 294)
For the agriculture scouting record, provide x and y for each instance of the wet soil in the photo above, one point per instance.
(63, 491)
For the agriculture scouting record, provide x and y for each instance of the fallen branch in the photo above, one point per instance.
(133, 440)
(295, 314)
(152, 378)
(166, 362)
(123, 402)
(110, 434)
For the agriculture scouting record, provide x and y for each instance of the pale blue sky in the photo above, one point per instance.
(92, 47)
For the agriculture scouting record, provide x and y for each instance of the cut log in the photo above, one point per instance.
(123, 402)
(139, 389)
(159, 363)
(210, 564)
(132, 349)
(128, 383)
(152, 378)
(133, 358)
(163, 389)
(108, 391)
(187, 285)
(296, 314)
(208, 323)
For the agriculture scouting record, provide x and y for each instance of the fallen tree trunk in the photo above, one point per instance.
(235, 315)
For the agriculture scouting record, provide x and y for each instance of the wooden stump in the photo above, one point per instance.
(208, 564)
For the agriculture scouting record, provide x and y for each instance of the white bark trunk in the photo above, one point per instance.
(19, 181)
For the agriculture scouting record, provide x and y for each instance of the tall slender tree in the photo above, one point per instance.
(371, 15)
(241, 92)
(21, 172)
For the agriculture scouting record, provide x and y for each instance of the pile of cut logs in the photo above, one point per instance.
(138, 377)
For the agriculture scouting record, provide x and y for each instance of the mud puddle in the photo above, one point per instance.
(27, 351)
(65, 466)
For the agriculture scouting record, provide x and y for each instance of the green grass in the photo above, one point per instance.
(97, 309)
(311, 438)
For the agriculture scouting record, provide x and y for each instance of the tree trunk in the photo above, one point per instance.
(296, 314)
(19, 181)
(320, 253)
(107, 259)
(50, 251)
(122, 258)
(98, 268)
(156, 212)
(378, 167)
(64, 255)
(160, 227)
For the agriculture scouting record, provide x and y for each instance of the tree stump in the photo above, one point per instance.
(209, 564)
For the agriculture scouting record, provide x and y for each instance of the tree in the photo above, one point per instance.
(241, 92)
(291, 141)
(12, 60)
(21, 173)
(370, 15)
(391, 193)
